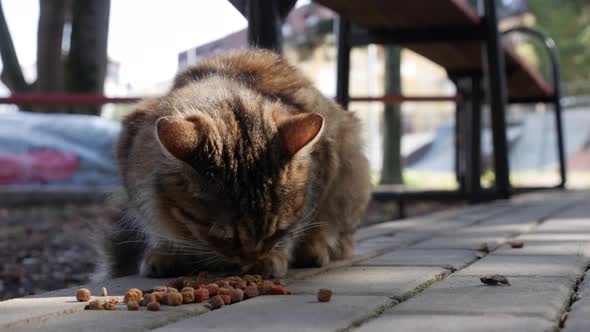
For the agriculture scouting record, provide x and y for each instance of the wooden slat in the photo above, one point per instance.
(522, 80)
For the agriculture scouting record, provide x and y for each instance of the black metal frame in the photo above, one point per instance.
(552, 51)
(468, 126)
(265, 19)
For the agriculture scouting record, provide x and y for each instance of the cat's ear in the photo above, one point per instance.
(179, 137)
(299, 132)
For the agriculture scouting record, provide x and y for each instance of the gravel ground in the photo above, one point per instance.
(46, 248)
(43, 248)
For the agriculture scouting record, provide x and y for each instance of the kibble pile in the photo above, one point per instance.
(186, 290)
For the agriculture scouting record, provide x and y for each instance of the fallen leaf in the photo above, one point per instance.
(495, 280)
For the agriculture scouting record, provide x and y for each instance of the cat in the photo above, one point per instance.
(243, 165)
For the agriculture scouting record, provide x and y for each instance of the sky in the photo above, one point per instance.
(145, 36)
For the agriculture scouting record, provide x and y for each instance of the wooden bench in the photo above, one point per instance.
(467, 45)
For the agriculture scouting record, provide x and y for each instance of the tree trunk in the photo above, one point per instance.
(391, 172)
(87, 61)
(50, 68)
(12, 74)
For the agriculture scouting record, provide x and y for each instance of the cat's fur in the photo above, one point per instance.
(244, 164)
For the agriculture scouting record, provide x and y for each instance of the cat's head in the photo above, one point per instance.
(241, 187)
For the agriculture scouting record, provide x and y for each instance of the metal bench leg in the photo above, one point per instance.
(342, 28)
(557, 101)
(473, 146)
(264, 24)
(496, 74)
(556, 76)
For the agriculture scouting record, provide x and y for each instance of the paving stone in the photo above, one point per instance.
(465, 240)
(570, 266)
(584, 287)
(457, 323)
(562, 224)
(543, 235)
(285, 313)
(391, 241)
(117, 286)
(577, 320)
(534, 247)
(545, 297)
(448, 258)
(114, 321)
(17, 312)
(396, 282)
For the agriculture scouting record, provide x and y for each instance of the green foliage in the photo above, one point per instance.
(568, 23)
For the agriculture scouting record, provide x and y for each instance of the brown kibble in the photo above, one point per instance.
(265, 287)
(324, 295)
(83, 295)
(188, 297)
(250, 292)
(484, 248)
(114, 300)
(171, 290)
(131, 295)
(226, 299)
(223, 291)
(148, 298)
(138, 291)
(110, 306)
(201, 295)
(212, 288)
(252, 278)
(173, 298)
(160, 289)
(237, 295)
(241, 284)
(133, 305)
(222, 283)
(95, 305)
(281, 282)
(187, 289)
(103, 292)
(495, 280)
(516, 244)
(216, 302)
(277, 290)
(153, 306)
(158, 296)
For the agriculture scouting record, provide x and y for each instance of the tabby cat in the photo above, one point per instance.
(244, 166)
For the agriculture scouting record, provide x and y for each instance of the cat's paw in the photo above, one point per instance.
(272, 266)
(311, 255)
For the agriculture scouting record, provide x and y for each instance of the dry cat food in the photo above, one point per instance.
(216, 302)
(201, 295)
(484, 248)
(83, 295)
(516, 244)
(495, 280)
(132, 305)
(153, 306)
(103, 291)
(216, 293)
(324, 295)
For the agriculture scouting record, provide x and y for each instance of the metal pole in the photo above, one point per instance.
(556, 80)
(473, 153)
(342, 27)
(494, 58)
(264, 25)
